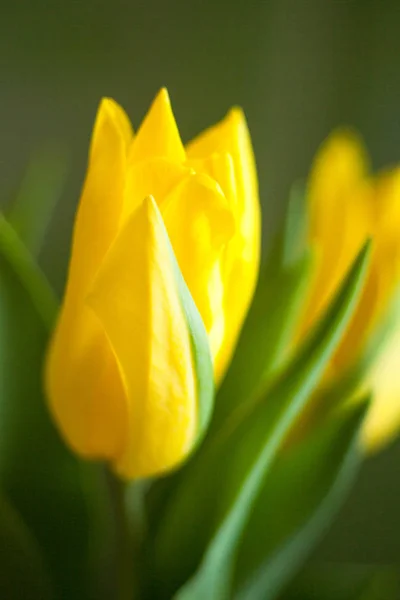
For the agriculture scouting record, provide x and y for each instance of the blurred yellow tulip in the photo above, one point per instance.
(121, 377)
(347, 205)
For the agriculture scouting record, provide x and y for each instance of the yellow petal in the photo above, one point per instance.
(386, 227)
(242, 258)
(83, 383)
(84, 387)
(110, 116)
(136, 300)
(199, 225)
(100, 207)
(340, 215)
(158, 135)
(231, 137)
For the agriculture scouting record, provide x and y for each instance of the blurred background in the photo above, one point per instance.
(299, 68)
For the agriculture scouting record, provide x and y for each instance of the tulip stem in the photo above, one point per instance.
(116, 534)
(123, 558)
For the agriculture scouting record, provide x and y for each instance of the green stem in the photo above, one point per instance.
(111, 551)
(123, 543)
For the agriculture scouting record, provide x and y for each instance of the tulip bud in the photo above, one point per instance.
(164, 263)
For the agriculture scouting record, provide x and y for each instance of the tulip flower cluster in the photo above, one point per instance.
(214, 413)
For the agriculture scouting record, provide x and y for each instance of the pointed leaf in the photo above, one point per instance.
(225, 480)
(294, 240)
(301, 494)
(265, 338)
(200, 349)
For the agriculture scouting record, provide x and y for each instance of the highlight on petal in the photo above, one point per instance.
(200, 224)
(158, 135)
(98, 217)
(135, 298)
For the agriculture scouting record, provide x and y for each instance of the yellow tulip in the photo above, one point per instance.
(121, 377)
(346, 206)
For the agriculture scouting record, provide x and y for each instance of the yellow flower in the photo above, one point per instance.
(346, 206)
(121, 377)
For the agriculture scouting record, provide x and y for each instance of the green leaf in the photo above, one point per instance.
(23, 573)
(37, 472)
(301, 495)
(38, 194)
(203, 522)
(294, 238)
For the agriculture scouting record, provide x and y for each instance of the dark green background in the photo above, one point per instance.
(297, 67)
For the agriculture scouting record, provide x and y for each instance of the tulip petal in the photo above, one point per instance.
(110, 116)
(99, 212)
(81, 372)
(153, 176)
(158, 135)
(231, 136)
(199, 224)
(84, 387)
(386, 227)
(219, 167)
(136, 299)
(339, 201)
(242, 258)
